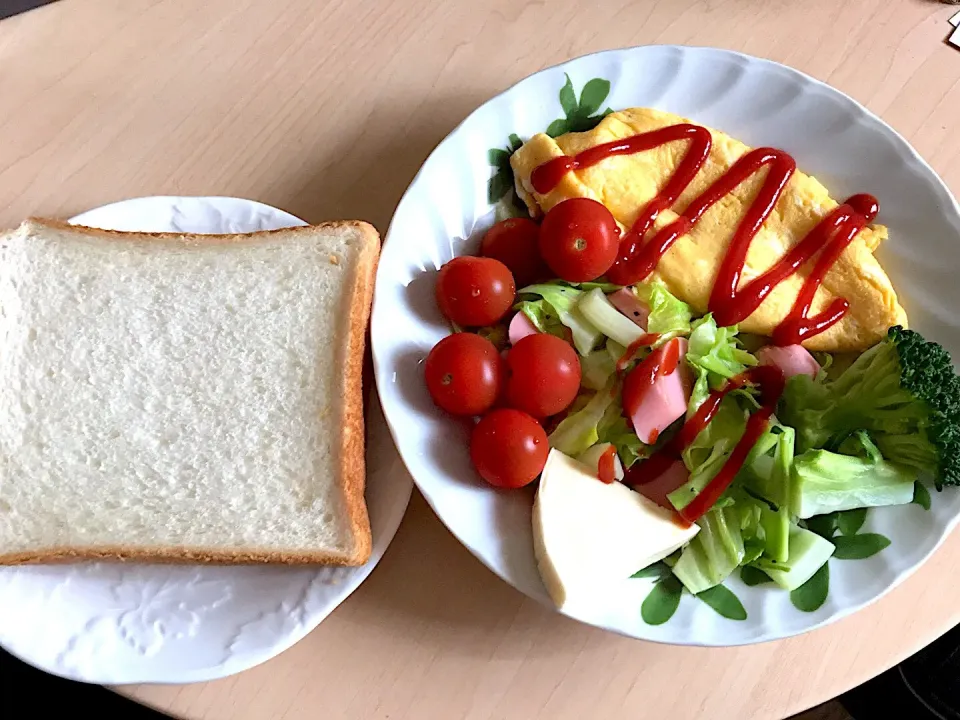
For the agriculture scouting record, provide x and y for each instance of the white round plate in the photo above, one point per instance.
(115, 623)
(445, 210)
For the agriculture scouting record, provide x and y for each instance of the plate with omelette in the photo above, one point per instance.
(665, 337)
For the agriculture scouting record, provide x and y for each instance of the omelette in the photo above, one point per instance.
(625, 184)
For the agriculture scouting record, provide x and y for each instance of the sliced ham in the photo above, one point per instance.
(657, 490)
(626, 301)
(790, 359)
(654, 408)
(520, 327)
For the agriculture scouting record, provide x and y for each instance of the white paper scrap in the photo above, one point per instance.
(955, 20)
(954, 38)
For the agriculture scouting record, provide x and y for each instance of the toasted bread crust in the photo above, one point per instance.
(352, 444)
(352, 450)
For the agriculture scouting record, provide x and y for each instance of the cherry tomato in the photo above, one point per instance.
(579, 239)
(508, 448)
(464, 374)
(516, 243)
(475, 291)
(544, 375)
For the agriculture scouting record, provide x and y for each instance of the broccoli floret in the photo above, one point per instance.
(903, 391)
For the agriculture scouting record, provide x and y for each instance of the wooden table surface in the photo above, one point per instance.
(327, 108)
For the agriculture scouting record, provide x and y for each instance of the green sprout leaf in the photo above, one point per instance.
(580, 123)
(753, 576)
(592, 96)
(724, 602)
(813, 593)
(662, 602)
(858, 547)
(499, 185)
(921, 496)
(823, 525)
(558, 127)
(498, 157)
(580, 116)
(568, 98)
(657, 570)
(850, 521)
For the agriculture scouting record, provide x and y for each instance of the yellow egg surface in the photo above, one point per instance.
(626, 184)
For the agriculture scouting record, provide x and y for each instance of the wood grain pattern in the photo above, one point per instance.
(326, 108)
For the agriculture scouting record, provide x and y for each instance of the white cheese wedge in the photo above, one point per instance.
(588, 536)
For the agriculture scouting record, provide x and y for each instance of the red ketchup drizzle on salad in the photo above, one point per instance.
(770, 382)
(642, 341)
(637, 259)
(606, 468)
(661, 362)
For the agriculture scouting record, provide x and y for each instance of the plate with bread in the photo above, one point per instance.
(189, 483)
(664, 336)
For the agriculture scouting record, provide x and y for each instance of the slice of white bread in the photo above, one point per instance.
(184, 398)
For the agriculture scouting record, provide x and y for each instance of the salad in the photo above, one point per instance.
(757, 449)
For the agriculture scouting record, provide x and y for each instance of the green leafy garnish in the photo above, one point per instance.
(823, 525)
(662, 602)
(580, 115)
(921, 496)
(858, 547)
(502, 181)
(850, 521)
(813, 593)
(753, 576)
(658, 570)
(724, 602)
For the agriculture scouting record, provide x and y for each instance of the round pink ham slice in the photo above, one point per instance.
(626, 301)
(520, 327)
(790, 359)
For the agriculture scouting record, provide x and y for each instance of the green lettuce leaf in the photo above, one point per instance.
(715, 349)
(768, 470)
(542, 315)
(669, 316)
(559, 302)
(580, 429)
(720, 435)
(715, 356)
(714, 553)
(596, 369)
(614, 429)
(699, 478)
